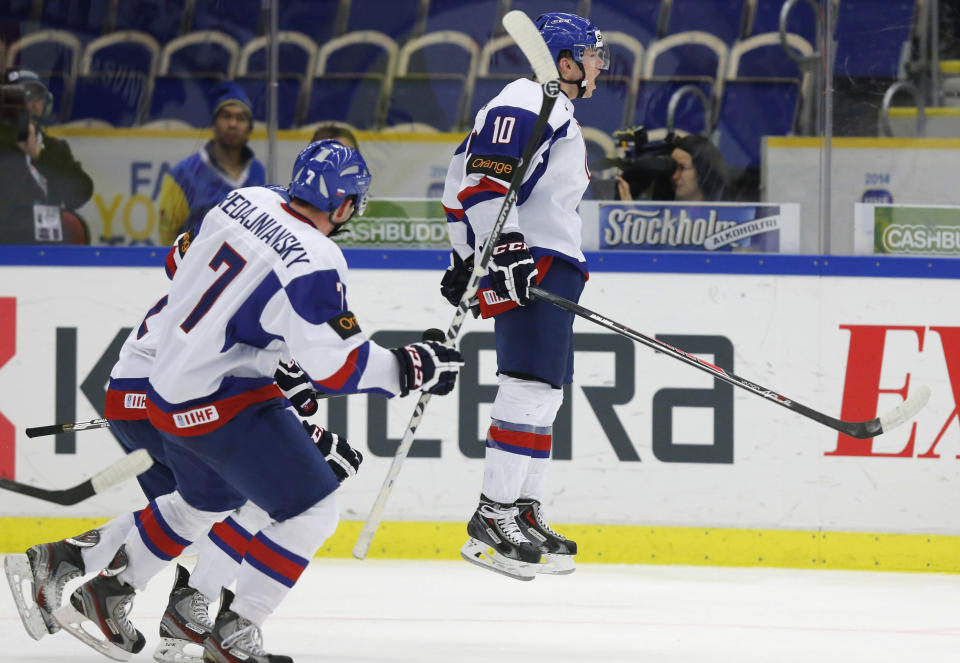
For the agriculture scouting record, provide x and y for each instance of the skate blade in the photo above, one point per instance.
(479, 553)
(20, 576)
(71, 620)
(556, 565)
(177, 650)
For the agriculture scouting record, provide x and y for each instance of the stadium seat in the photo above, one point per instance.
(162, 19)
(762, 56)
(533, 8)
(114, 97)
(690, 114)
(605, 109)
(296, 54)
(722, 18)
(395, 18)
(642, 19)
(765, 17)
(317, 19)
(85, 18)
(288, 95)
(871, 35)
(240, 19)
(695, 55)
(208, 53)
(46, 51)
(477, 18)
(122, 51)
(183, 98)
(434, 75)
(749, 110)
(353, 78)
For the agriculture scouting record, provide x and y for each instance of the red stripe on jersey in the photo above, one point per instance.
(297, 215)
(216, 413)
(117, 402)
(456, 212)
(485, 184)
(171, 263)
(338, 379)
(514, 438)
(274, 560)
(152, 529)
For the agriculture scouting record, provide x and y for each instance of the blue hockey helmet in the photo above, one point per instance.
(327, 172)
(569, 32)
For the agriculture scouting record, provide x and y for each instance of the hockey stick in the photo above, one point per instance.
(525, 34)
(126, 468)
(861, 429)
(56, 429)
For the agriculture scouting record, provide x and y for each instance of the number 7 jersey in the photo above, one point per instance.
(260, 283)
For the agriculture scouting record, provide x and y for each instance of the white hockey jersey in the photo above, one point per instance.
(546, 209)
(259, 284)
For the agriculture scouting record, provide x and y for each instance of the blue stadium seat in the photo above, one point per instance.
(477, 18)
(802, 19)
(241, 19)
(870, 37)
(653, 99)
(316, 19)
(206, 54)
(749, 110)
(395, 18)
(762, 56)
(296, 54)
(533, 8)
(351, 99)
(112, 97)
(686, 54)
(429, 100)
(605, 109)
(485, 88)
(288, 92)
(723, 18)
(124, 51)
(85, 18)
(183, 98)
(47, 51)
(161, 19)
(638, 18)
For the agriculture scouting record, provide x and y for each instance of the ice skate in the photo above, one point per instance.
(235, 639)
(496, 542)
(185, 623)
(47, 567)
(557, 551)
(106, 602)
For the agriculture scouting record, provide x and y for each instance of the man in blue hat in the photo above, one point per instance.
(200, 181)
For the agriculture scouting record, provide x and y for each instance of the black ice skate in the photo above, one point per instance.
(47, 567)
(496, 542)
(185, 623)
(556, 550)
(106, 602)
(235, 639)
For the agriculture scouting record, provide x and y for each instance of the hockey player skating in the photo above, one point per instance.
(211, 393)
(540, 243)
(48, 567)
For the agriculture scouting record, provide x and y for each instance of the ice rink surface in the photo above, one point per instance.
(450, 612)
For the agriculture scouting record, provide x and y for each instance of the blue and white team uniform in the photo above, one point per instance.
(534, 342)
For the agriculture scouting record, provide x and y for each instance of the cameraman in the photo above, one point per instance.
(699, 173)
(41, 178)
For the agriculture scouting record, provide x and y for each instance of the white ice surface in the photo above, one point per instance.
(451, 612)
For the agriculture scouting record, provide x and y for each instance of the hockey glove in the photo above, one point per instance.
(455, 279)
(296, 388)
(512, 270)
(429, 366)
(343, 459)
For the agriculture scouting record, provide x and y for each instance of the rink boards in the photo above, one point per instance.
(653, 462)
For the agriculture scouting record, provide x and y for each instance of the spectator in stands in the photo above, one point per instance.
(200, 181)
(700, 172)
(337, 132)
(42, 184)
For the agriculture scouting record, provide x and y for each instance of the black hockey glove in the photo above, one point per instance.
(455, 279)
(512, 270)
(343, 459)
(296, 388)
(429, 366)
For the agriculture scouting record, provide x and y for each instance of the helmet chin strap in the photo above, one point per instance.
(581, 84)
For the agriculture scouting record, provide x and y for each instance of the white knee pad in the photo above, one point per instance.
(526, 402)
(185, 520)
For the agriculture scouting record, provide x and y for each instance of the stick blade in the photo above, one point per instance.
(519, 26)
(907, 410)
(126, 468)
